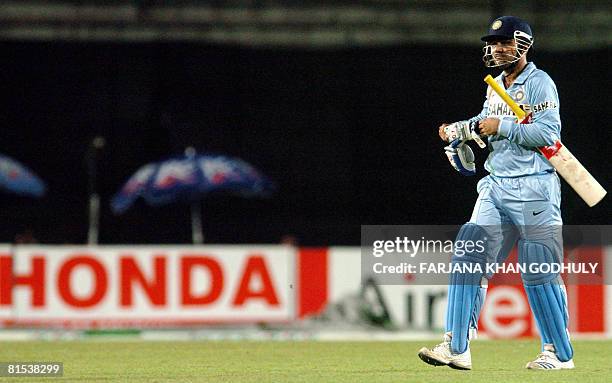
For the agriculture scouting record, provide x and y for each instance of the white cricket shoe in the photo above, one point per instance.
(441, 355)
(547, 360)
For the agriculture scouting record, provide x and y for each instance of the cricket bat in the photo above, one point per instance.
(559, 156)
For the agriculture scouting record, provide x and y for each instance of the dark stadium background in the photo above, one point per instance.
(349, 135)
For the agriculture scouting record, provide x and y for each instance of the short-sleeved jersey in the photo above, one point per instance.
(513, 151)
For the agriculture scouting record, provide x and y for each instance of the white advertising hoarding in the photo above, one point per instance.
(156, 285)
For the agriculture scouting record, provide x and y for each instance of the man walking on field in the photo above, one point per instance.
(518, 201)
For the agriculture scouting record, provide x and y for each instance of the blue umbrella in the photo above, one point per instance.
(188, 178)
(18, 179)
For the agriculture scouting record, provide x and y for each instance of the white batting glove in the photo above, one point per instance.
(464, 131)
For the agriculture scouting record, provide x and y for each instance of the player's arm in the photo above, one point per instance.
(545, 125)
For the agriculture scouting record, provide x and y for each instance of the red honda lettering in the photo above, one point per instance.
(35, 280)
(216, 280)
(155, 288)
(100, 282)
(256, 266)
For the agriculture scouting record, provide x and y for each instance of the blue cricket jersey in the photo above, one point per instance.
(513, 151)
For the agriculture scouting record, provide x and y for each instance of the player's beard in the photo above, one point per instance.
(510, 67)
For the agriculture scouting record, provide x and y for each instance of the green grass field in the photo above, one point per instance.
(246, 361)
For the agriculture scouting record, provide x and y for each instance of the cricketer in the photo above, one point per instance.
(518, 201)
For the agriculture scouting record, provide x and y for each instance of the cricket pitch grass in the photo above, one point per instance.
(300, 361)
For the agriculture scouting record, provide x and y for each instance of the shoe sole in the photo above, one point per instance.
(569, 365)
(547, 369)
(435, 362)
(429, 360)
(458, 367)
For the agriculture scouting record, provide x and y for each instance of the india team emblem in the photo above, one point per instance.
(519, 96)
(496, 25)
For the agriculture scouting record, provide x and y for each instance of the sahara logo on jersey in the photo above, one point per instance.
(544, 105)
(499, 109)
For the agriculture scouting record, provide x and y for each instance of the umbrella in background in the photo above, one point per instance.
(18, 179)
(188, 178)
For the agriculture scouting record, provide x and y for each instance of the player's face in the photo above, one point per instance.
(503, 50)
